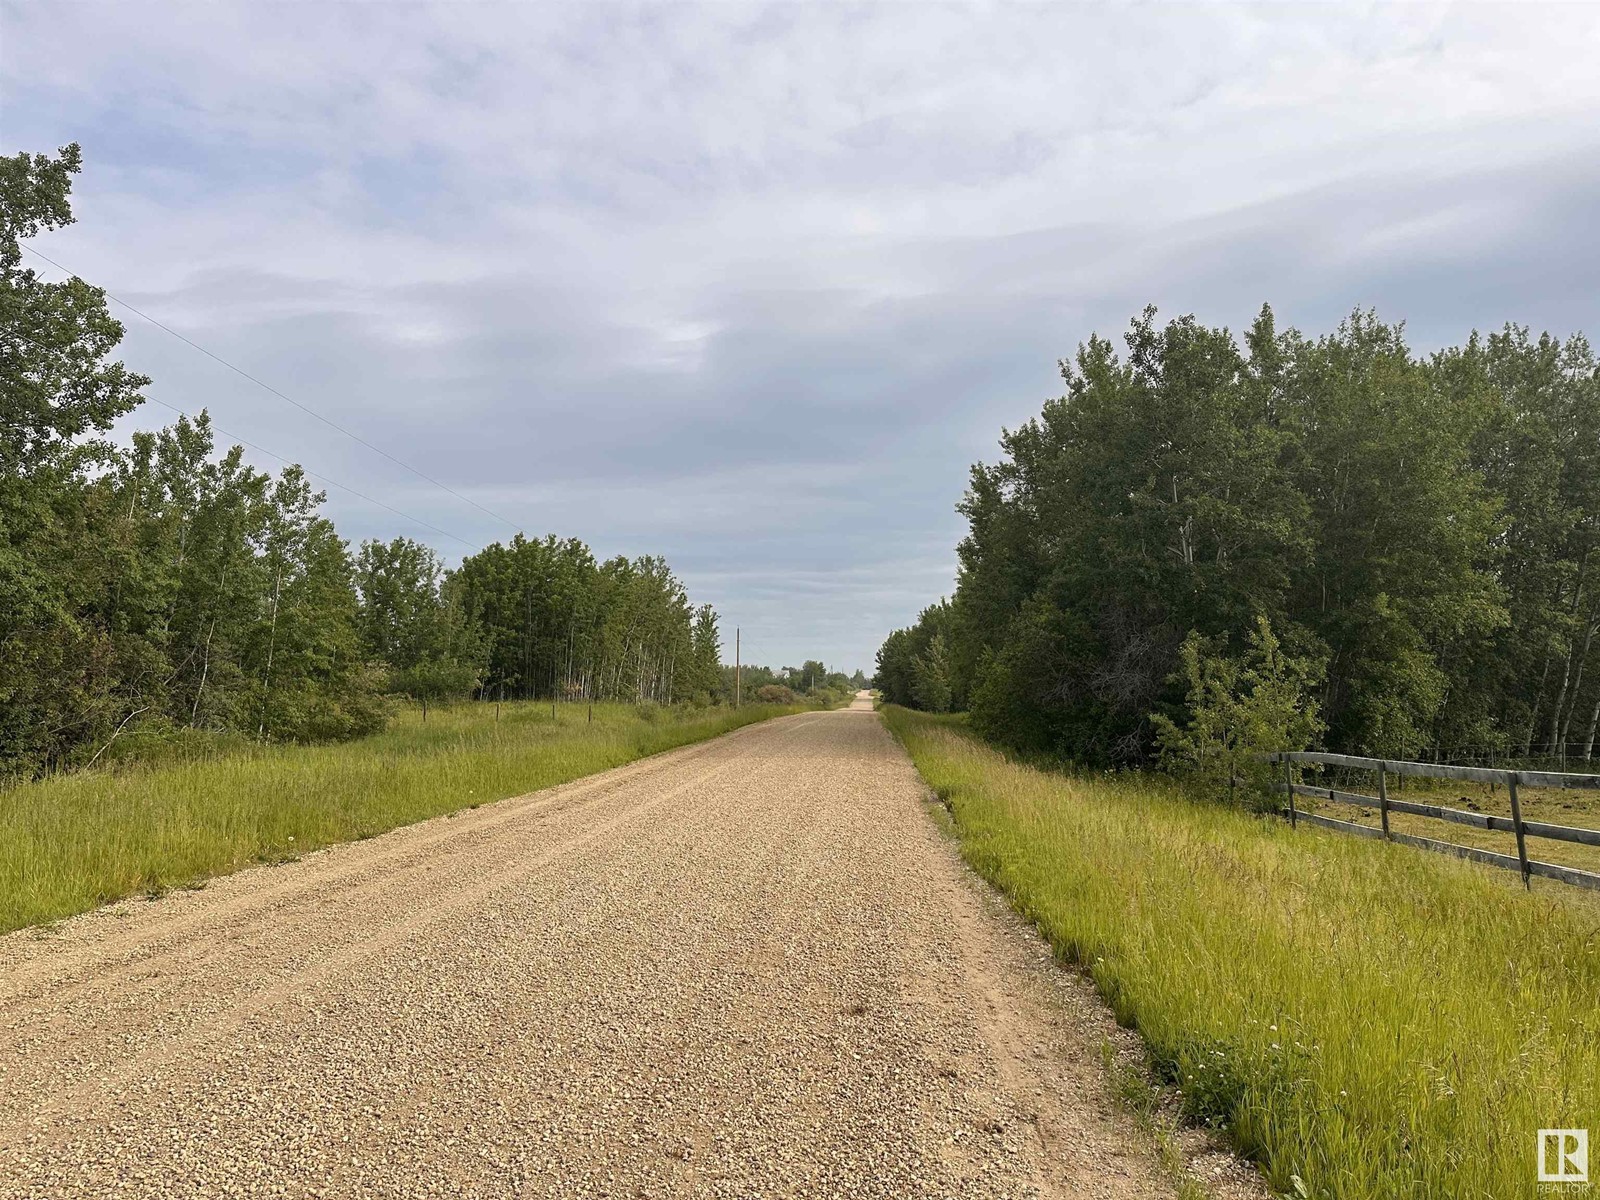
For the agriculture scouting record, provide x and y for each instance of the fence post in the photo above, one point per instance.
(1383, 798)
(1288, 782)
(1516, 822)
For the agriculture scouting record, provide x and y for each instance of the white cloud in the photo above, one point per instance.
(752, 285)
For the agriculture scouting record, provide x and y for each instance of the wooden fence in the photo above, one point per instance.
(1386, 804)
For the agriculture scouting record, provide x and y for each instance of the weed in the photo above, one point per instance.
(1363, 1019)
(72, 842)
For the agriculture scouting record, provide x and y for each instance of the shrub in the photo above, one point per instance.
(1236, 708)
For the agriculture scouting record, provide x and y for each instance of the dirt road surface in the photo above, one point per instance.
(752, 967)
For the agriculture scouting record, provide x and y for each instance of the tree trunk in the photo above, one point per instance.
(1577, 683)
(1566, 674)
(272, 645)
(205, 671)
(1533, 712)
(1594, 724)
(1561, 699)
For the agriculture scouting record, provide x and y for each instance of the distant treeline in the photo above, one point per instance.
(1204, 545)
(785, 685)
(546, 619)
(162, 587)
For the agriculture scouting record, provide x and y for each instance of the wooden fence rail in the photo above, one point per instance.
(1515, 825)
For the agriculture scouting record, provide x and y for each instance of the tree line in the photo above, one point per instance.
(165, 586)
(786, 685)
(1295, 539)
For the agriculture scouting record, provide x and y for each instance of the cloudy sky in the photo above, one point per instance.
(751, 286)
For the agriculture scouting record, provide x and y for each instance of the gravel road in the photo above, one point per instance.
(752, 967)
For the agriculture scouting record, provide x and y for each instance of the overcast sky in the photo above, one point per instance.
(751, 287)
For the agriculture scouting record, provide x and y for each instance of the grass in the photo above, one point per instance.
(72, 842)
(1365, 1020)
(1147, 1103)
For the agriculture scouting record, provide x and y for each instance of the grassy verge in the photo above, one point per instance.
(76, 841)
(1366, 1020)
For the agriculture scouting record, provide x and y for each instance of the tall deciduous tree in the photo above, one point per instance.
(1423, 533)
(413, 624)
(162, 586)
(59, 387)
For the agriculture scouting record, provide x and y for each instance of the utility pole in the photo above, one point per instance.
(737, 676)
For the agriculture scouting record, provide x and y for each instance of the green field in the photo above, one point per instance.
(1580, 808)
(76, 841)
(1366, 1020)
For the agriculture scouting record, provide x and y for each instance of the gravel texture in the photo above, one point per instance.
(752, 967)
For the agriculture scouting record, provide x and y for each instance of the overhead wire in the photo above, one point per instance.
(285, 459)
(343, 487)
(355, 437)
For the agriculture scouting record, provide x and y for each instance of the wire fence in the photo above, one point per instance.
(1558, 756)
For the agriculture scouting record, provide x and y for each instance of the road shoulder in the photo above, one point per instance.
(1102, 1122)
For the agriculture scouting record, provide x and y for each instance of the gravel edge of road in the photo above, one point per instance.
(1200, 1162)
(1035, 1084)
(43, 930)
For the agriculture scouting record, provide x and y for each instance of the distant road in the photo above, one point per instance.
(748, 967)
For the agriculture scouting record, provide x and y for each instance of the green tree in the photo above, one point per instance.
(1149, 500)
(555, 622)
(59, 667)
(413, 626)
(903, 656)
(305, 653)
(931, 677)
(400, 614)
(1405, 533)
(188, 578)
(162, 584)
(706, 653)
(1536, 444)
(894, 673)
(813, 676)
(1235, 708)
(1423, 531)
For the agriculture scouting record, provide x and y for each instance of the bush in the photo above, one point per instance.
(436, 679)
(162, 740)
(774, 693)
(1368, 1019)
(1237, 708)
(930, 677)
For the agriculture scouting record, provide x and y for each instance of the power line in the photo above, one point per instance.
(329, 480)
(287, 399)
(315, 475)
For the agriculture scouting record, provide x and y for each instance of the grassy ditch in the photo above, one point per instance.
(1365, 1020)
(73, 842)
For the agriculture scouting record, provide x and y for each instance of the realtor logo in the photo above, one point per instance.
(1563, 1156)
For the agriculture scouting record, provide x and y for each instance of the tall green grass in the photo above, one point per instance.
(76, 841)
(1367, 1020)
